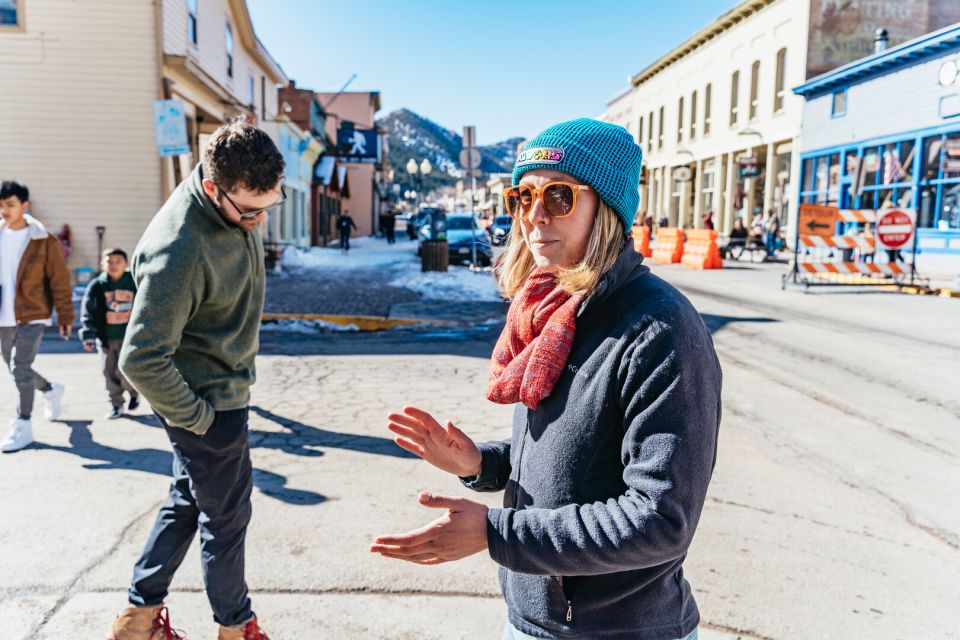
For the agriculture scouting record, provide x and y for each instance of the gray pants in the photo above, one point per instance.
(20, 345)
(116, 382)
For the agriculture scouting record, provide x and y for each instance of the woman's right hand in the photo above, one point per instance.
(447, 448)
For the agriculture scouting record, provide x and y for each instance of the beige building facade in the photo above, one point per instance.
(76, 110)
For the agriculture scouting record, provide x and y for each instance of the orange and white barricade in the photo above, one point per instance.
(641, 240)
(668, 245)
(701, 250)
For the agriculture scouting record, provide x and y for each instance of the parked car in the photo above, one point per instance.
(462, 234)
(499, 230)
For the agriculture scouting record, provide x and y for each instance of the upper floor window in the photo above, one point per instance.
(228, 41)
(693, 115)
(838, 105)
(707, 107)
(779, 91)
(650, 132)
(640, 133)
(251, 90)
(660, 130)
(192, 21)
(734, 98)
(754, 89)
(680, 121)
(12, 16)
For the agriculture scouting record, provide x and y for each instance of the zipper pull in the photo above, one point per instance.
(569, 611)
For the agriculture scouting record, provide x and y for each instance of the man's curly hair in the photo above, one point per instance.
(239, 155)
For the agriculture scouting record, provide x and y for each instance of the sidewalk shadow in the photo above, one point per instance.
(160, 462)
(716, 323)
(303, 437)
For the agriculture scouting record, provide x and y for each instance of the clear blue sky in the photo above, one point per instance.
(511, 68)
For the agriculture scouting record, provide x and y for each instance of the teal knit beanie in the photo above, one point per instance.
(600, 154)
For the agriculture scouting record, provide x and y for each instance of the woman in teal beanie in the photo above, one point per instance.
(616, 388)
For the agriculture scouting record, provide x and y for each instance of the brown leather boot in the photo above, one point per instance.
(248, 631)
(144, 623)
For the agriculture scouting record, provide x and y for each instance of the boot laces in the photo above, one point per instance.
(162, 622)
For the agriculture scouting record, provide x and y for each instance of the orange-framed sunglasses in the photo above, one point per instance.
(559, 198)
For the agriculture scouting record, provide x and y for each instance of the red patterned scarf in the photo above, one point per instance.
(534, 346)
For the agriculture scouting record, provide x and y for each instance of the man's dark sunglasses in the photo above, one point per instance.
(245, 215)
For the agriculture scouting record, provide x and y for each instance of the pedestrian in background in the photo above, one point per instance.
(771, 231)
(105, 313)
(617, 392)
(390, 224)
(345, 224)
(190, 349)
(33, 281)
(708, 220)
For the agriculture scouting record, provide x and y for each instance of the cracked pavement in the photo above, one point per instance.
(829, 514)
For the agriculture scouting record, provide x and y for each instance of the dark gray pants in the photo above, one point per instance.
(116, 382)
(212, 482)
(20, 345)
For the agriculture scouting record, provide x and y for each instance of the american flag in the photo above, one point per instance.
(892, 169)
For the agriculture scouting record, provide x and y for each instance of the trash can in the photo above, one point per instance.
(435, 252)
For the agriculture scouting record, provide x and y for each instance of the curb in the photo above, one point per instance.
(363, 323)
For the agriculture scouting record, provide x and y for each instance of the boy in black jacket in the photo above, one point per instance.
(107, 304)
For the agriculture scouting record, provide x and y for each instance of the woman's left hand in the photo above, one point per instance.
(458, 534)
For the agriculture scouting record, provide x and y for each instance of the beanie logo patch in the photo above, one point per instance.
(540, 155)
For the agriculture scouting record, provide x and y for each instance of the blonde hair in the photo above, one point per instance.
(603, 249)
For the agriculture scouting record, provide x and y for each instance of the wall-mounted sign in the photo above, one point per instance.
(170, 127)
(358, 145)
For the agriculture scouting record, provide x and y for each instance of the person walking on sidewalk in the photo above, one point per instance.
(33, 281)
(617, 391)
(346, 224)
(106, 308)
(189, 350)
(390, 226)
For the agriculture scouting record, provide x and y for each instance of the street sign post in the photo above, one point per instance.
(470, 159)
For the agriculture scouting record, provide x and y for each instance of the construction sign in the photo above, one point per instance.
(817, 220)
(895, 227)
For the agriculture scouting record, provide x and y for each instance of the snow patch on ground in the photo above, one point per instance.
(457, 284)
(364, 253)
(306, 326)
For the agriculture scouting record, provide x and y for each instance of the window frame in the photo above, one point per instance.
(707, 108)
(693, 116)
(660, 128)
(680, 120)
(193, 24)
(780, 82)
(229, 44)
(753, 109)
(735, 98)
(834, 113)
(650, 132)
(21, 24)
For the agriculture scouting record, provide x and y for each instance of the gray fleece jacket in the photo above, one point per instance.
(195, 328)
(606, 479)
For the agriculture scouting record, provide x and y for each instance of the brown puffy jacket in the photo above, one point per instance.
(43, 281)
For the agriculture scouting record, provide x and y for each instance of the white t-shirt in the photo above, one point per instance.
(12, 246)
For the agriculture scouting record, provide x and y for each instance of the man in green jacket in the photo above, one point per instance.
(189, 350)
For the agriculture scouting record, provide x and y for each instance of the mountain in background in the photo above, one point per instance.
(410, 135)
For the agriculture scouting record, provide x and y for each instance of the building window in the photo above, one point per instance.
(650, 132)
(251, 91)
(754, 90)
(660, 130)
(734, 98)
(640, 133)
(693, 116)
(228, 41)
(12, 16)
(707, 106)
(838, 105)
(192, 32)
(680, 121)
(779, 89)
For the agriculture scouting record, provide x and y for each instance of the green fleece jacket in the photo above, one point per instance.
(194, 330)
